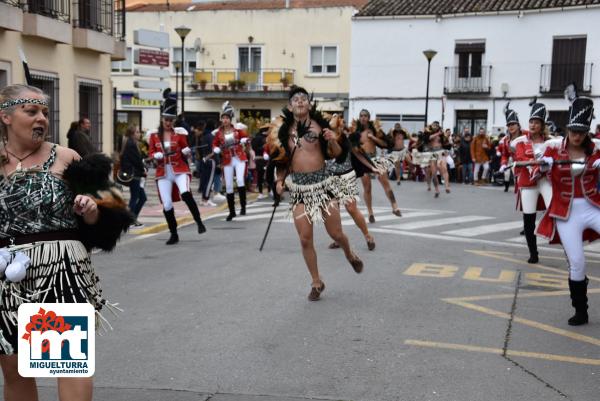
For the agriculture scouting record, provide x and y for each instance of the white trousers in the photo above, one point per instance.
(529, 196)
(165, 186)
(486, 167)
(240, 168)
(583, 215)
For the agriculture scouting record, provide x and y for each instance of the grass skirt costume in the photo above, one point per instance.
(37, 220)
(346, 185)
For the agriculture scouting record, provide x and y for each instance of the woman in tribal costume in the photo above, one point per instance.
(54, 208)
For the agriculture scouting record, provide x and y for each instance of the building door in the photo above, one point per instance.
(90, 106)
(560, 118)
(250, 63)
(568, 63)
(471, 119)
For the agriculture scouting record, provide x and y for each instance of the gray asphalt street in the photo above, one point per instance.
(446, 309)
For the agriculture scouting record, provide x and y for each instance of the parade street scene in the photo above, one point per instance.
(290, 200)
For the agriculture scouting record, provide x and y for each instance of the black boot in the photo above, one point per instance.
(529, 228)
(172, 223)
(231, 204)
(506, 185)
(578, 290)
(191, 204)
(242, 194)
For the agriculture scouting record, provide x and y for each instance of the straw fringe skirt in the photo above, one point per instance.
(60, 272)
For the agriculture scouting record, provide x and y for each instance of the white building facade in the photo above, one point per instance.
(483, 60)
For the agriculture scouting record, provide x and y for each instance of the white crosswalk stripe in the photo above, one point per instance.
(485, 229)
(438, 222)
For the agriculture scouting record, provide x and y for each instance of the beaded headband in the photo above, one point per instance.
(16, 102)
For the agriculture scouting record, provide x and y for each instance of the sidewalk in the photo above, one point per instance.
(152, 213)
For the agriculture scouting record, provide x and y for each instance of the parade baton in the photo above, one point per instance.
(542, 163)
(275, 204)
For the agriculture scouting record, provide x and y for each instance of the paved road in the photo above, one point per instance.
(446, 309)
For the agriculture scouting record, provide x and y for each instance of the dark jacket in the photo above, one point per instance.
(465, 151)
(258, 144)
(204, 145)
(80, 142)
(131, 159)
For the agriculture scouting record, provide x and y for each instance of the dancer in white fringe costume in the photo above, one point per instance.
(299, 147)
(370, 138)
(347, 192)
(45, 241)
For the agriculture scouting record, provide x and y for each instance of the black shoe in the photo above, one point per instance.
(173, 239)
(242, 194)
(579, 318)
(201, 228)
(533, 258)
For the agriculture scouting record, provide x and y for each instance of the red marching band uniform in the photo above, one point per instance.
(521, 150)
(566, 187)
(230, 146)
(174, 156)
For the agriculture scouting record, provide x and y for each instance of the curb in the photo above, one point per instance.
(184, 220)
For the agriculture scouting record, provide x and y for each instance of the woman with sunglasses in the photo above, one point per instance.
(168, 146)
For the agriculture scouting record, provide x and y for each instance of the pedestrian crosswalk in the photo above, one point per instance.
(420, 223)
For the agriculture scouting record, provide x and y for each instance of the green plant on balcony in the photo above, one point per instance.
(233, 85)
(241, 84)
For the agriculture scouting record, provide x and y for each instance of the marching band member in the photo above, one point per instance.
(168, 146)
(533, 192)
(513, 129)
(574, 213)
(229, 142)
(436, 143)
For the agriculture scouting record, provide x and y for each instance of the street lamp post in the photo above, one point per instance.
(177, 65)
(429, 54)
(182, 31)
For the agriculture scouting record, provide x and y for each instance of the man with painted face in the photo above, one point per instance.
(368, 138)
(299, 149)
(534, 192)
(573, 215)
(230, 143)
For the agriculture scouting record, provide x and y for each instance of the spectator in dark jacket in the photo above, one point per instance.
(466, 159)
(258, 145)
(132, 163)
(205, 162)
(79, 139)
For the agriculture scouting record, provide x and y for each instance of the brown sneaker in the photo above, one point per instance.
(334, 245)
(371, 218)
(315, 292)
(357, 264)
(397, 212)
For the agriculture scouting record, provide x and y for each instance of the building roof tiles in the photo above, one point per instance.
(244, 5)
(448, 7)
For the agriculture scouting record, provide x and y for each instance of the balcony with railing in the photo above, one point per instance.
(233, 83)
(120, 50)
(554, 78)
(11, 15)
(468, 80)
(94, 25)
(49, 19)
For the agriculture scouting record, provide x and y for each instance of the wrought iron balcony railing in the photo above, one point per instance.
(119, 20)
(467, 80)
(554, 78)
(56, 9)
(96, 15)
(16, 3)
(218, 79)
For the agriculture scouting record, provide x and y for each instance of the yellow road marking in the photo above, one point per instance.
(535, 294)
(498, 351)
(527, 322)
(499, 255)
